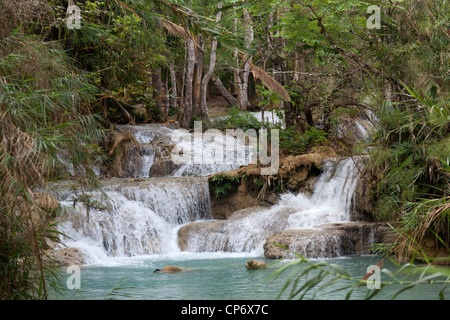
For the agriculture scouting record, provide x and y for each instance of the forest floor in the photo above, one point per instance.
(218, 107)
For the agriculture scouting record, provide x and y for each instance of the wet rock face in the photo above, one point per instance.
(68, 257)
(297, 173)
(163, 165)
(244, 231)
(306, 242)
(363, 201)
(118, 146)
(329, 241)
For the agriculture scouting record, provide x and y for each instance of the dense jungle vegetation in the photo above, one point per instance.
(141, 61)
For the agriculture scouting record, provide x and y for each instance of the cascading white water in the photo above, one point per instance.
(143, 217)
(203, 160)
(271, 117)
(332, 198)
(247, 231)
(140, 160)
(134, 218)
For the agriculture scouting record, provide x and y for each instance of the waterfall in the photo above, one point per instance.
(246, 231)
(152, 137)
(130, 218)
(332, 198)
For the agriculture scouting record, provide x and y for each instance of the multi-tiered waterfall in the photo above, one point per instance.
(145, 215)
(248, 229)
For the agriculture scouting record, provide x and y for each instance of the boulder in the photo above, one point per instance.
(224, 206)
(306, 242)
(255, 264)
(118, 145)
(163, 164)
(429, 250)
(329, 241)
(68, 257)
(170, 269)
(46, 201)
(199, 230)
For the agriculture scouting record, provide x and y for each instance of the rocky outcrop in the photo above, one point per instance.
(244, 196)
(67, 257)
(46, 201)
(255, 264)
(296, 170)
(170, 269)
(119, 145)
(296, 173)
(237, 233)
(163, 165)
(329, 241)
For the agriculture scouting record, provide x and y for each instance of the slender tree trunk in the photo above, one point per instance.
(167, 97)
(182, 86)
(236, 73)
(209, 73)
(246, 68)
(173, 80)
(198, 76)
(157, 86)
(187, 115)
(241, 76)
(296, 63)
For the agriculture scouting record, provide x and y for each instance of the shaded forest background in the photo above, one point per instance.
(137, 61)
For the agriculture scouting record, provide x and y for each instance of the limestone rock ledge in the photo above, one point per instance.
(329, 241)
(296, 173)
(67, 257)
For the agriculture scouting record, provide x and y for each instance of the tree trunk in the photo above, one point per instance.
(236, 72)
(187, 114)
(173, 80)
(241, 76)
(289, 114)
(198, 73)
(167, 97)
(157, 87)
(246, 68)
(209, 73)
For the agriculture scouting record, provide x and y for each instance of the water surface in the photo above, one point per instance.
(220, 276)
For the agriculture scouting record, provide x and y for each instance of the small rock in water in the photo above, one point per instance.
(255, 264)
(170, 269)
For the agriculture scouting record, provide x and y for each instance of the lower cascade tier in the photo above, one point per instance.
(147, 216)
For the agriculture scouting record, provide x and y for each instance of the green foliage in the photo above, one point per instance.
(223, 184)
(270, 99)
(412, 158)
(237, 119)
(45, 128)
(311, 279)
(295, 143)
